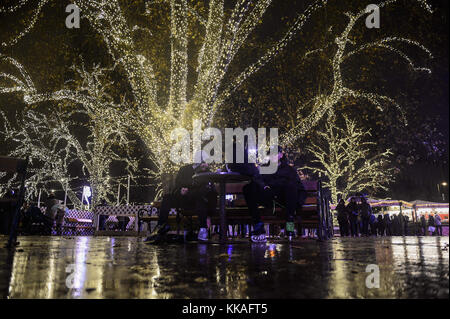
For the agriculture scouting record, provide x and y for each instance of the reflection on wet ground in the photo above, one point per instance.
(123, 267)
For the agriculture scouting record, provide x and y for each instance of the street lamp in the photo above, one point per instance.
(439, 189)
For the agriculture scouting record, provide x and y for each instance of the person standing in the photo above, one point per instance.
(387, 224)
(53, 212)
(380, 225)
(395, 225)
(352, 209)
(406, 224)
(401, 224)
(438, 222)
(423, 225)
(373, 222)
(342, 218)
(365, 211)
(431, 225)
(102, 218)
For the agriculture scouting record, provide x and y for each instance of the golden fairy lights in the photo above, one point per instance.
(51, 142)
(224, 35)
(343, 155)
(31, 23)
(324, 104)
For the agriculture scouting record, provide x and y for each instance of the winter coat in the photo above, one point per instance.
(423, 221)
(352, 209)
(431, 221)
(365, 210)
(184, 178)
(437, 220)
(342, 214)
(380, 220)
(285, 175)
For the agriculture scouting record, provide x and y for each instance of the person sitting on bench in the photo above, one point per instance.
(284, 186)
(186, 195)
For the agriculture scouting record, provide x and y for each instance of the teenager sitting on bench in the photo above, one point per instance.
(284, 186)
(186, 195)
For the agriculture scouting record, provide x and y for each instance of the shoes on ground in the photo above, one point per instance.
(158, 234)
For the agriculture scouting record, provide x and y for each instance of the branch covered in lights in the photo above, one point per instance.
(142, 111)
(51, 142)
(326, 103)
(343, 156)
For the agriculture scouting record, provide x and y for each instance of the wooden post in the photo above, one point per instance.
(128, 191)
(65, 193)
(118, 195)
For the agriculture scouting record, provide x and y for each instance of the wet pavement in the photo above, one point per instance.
(125, 267)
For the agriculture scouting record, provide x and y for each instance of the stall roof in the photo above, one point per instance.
(396, 203)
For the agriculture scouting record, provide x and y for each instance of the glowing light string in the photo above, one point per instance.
(324, 104)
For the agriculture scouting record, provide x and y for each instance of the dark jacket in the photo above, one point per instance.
(423, 221)
(286, 175)
(380, 220)
(431, 221)
(184, 179)
(365, 210)
(352, 209)
(342, 214)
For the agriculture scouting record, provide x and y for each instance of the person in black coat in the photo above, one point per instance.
(365, 212)
(187, 195)
(423, 225)
(395, 226)
(342, 217)
(380, 225)
(431, 223)
(352, 209)
(387, 224)
(284, 186)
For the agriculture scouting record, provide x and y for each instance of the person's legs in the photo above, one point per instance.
(341, 229)
(169, 201)
(251, 194)
(353, 227)
(288, 196)
(200, 204)
(365, 226)
(101, 222)
(255, 195)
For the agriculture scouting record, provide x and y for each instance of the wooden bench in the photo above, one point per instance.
(314, 214)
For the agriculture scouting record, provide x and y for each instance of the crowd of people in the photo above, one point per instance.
(358, 219)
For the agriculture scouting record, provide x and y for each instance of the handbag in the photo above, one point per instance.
(431, 229)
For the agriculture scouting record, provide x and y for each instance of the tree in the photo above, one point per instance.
(200, 81)
(343, 157)
(152, 117)
(326, 102)
(93, 134)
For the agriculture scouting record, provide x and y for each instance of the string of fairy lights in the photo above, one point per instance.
(344, 156)
(31, 23)
(141, 112)
(50, 140)
(324, 104)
